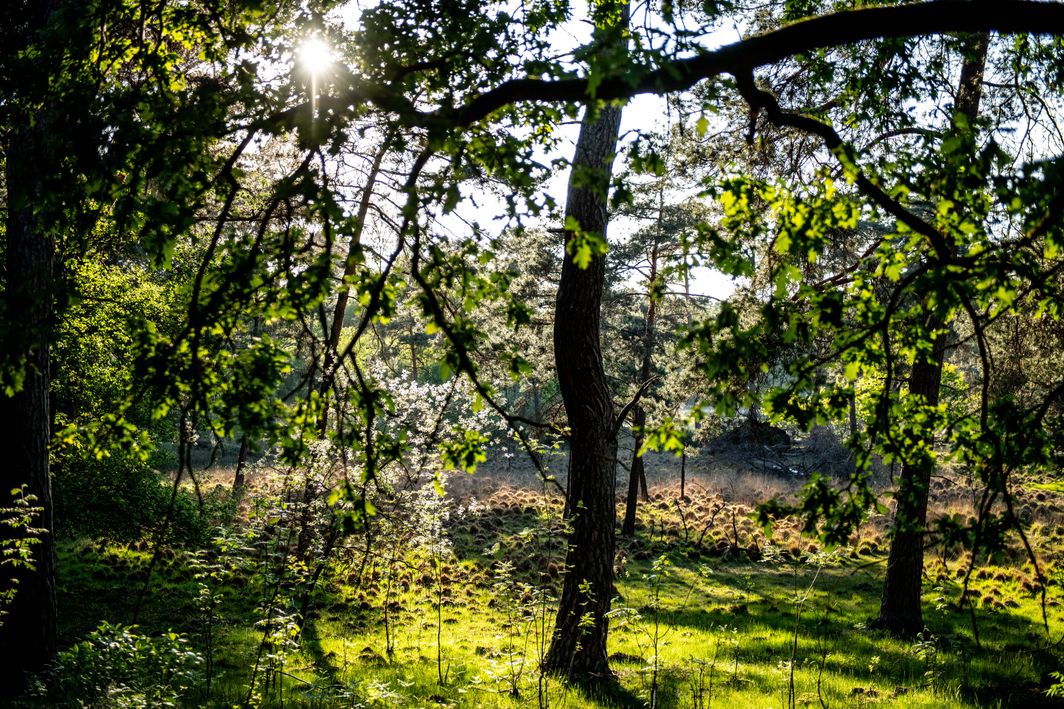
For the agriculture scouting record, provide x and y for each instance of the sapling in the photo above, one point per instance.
(657, 634)
(433, 511)
(704, 688)
(209, 576)
(509, 594)
(925, 648)
(698, 683)
(543, 602)
(823, 652)
(800, 596)
(658, 575)
(17, 540)
(278, 521)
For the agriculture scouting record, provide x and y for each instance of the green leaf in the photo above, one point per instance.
(702, 126)
(465, 452)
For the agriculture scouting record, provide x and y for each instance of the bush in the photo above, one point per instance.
(116, 666)
(121, 498)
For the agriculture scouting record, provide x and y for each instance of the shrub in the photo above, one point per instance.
(120, 497)
(116, 666)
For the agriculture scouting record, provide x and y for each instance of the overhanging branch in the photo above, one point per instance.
(762, 100)
(834, 30)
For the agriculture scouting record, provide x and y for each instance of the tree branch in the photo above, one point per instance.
(760, 99)
(825, 32)
(630, 405)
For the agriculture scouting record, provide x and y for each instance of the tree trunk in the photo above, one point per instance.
(683, 475)
(578, 647)
(241, 463)
(853, 414)
(900, 610)
(637, 474)
(28, 629)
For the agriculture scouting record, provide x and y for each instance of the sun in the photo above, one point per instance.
(314, 56)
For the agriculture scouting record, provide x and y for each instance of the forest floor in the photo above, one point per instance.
(710, 610)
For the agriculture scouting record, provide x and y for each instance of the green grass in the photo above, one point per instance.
(712, 633)
(1056, 486)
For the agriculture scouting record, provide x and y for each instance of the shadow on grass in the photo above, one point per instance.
(323, 661)
(759, 602)
(607, 691)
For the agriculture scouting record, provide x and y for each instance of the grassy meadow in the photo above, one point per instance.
(709, 610)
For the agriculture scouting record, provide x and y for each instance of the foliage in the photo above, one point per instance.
(121, 497)
(739, 619)
(244, 247)
(18, 536)
(118, 666)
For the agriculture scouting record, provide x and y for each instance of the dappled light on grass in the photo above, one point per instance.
(697, 621)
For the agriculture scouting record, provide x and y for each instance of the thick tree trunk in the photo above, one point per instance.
(578, 647)
(28, 628)
(900, 610)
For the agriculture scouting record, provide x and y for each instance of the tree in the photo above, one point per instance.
(900, 610)
(29, 252)
(101, 135)
(113, 131)
(637, 474)
(578, 646)
(654, 252)
(929, 272)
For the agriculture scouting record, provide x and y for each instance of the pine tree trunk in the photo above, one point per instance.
(578, 647)
(28, 628)
(637, 473)
(900, 610)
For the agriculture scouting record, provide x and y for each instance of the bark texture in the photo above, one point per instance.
(578, 647)
(28, 629)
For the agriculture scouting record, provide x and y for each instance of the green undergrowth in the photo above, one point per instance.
(691, 628)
